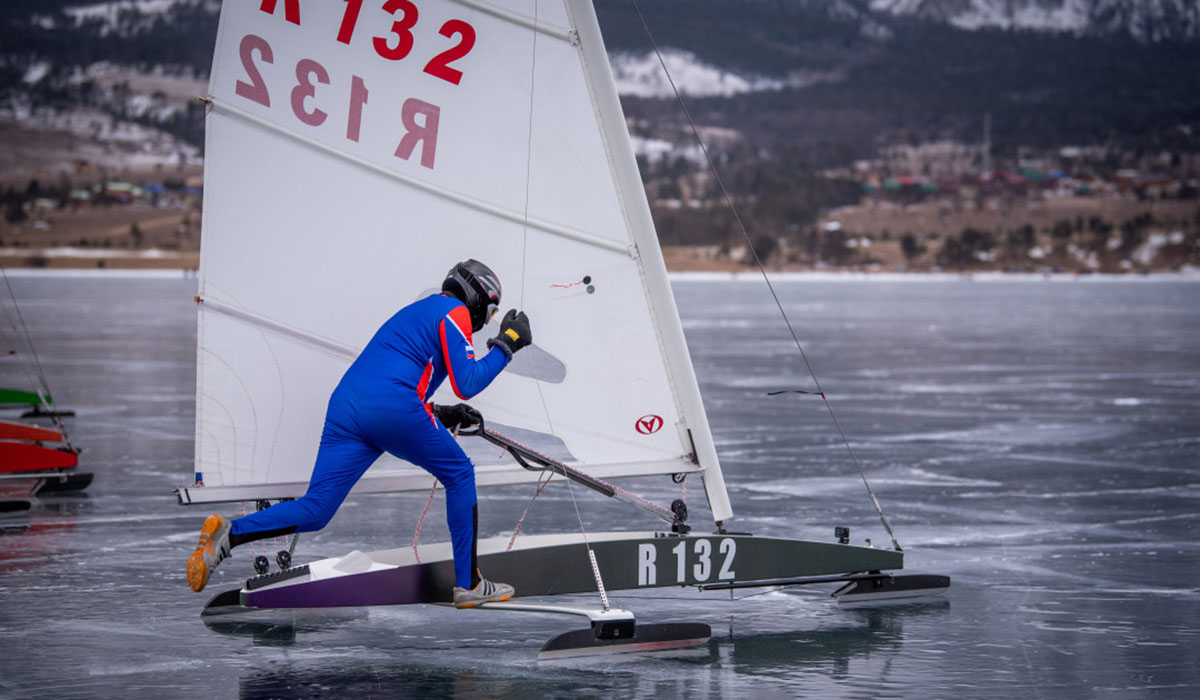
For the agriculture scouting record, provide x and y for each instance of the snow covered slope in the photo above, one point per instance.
(1145, 20)
(641, 75)
(126, 18)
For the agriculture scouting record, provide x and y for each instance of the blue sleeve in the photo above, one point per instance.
(467, 375)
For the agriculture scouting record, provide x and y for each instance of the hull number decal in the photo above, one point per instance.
(696, 566)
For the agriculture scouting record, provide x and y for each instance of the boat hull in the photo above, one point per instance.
(17, 397)
(26, 457)
(558, 564)
(22, 431)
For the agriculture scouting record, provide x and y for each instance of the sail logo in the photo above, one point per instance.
(649, 424)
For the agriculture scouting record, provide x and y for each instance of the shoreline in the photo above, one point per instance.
(72, 261)
(748, 276)
(82, 260)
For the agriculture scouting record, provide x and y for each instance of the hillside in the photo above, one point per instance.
(1142, 20)
(807, 104)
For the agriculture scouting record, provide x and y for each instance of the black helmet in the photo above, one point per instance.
(475, 285)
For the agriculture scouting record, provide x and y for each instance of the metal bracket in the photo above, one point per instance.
(679, 508)
(613, 623)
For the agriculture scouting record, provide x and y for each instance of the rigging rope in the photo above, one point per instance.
(567, 471)
(537, 492)
(757, 261)
(421, 520)
(253, 544)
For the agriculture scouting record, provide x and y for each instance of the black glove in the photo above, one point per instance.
(458, 416)
(514, 333)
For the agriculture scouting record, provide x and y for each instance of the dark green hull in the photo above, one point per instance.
(558, 564)
(17, 397)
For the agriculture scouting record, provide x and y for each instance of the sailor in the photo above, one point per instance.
(382, 404)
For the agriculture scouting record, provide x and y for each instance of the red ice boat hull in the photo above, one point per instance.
(20, 431)
(24, 457)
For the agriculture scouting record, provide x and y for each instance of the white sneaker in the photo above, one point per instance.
(211, 551)
(484, 592)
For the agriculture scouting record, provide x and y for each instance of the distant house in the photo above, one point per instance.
(121, 192)
(42, 205)
(1147, 185)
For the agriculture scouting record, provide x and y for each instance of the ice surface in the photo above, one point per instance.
(994, 421)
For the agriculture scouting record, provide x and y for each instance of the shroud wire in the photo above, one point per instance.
(742, 228)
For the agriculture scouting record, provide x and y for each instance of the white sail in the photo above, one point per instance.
(353, 155)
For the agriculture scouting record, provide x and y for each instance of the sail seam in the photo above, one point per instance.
(550, 227)
(517, 18)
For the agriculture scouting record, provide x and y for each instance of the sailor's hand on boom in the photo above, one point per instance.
(514, 333)
(456, 417)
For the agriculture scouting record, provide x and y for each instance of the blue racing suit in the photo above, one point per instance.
(382, 404)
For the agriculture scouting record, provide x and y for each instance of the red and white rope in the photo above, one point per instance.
(421, 520)
(614, 487)
(540, 485)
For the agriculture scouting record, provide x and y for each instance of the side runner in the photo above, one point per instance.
(382, 404)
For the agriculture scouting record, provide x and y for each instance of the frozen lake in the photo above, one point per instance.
(1038, 441)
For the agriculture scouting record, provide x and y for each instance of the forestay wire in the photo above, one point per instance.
(762, 269)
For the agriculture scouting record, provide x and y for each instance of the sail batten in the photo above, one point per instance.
(341, 182)
(519, 19)
(282, 330)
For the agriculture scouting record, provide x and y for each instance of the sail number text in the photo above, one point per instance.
(311, 89)
(698, 565)
(397, 42)
(304, 99)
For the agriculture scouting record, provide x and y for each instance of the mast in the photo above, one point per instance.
(654, 272)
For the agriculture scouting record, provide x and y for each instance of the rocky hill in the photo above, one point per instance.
(804, 102)
(1143, 20)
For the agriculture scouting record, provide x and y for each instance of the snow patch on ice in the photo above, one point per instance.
(91, 253)
(1015, 434)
